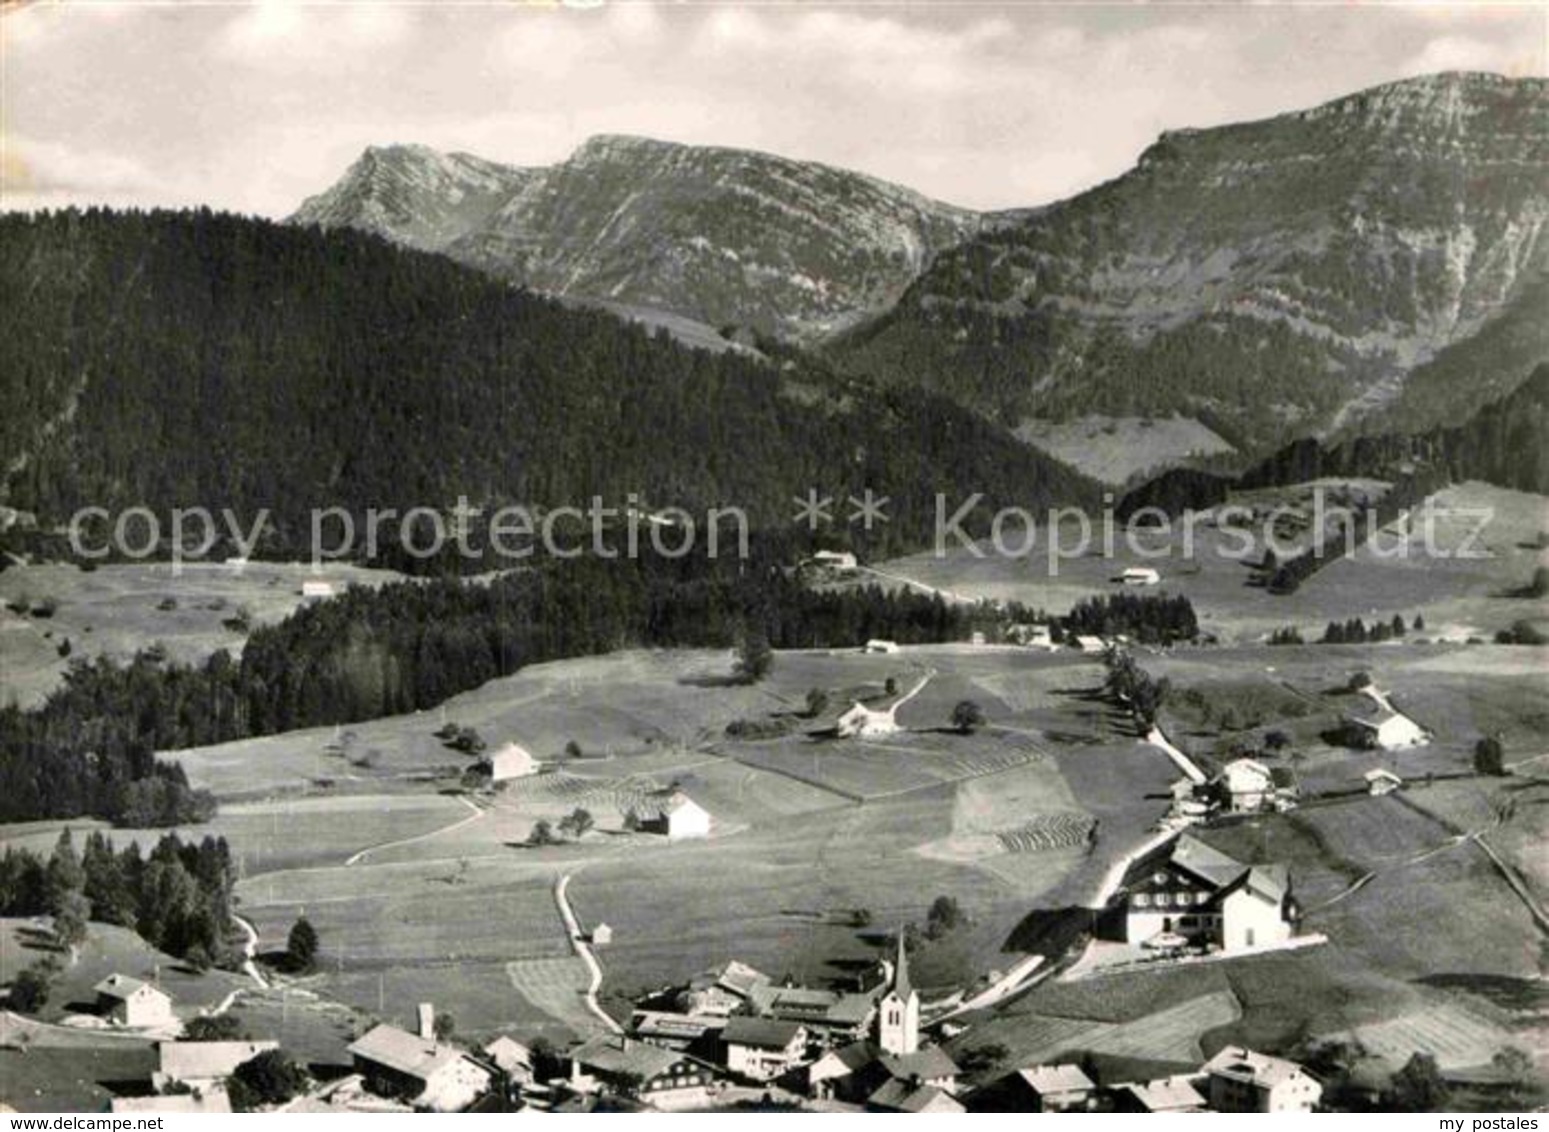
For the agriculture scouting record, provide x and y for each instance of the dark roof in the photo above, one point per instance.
(926, 1064)
(609, 1053)
(763, 1033)
(900, 1096)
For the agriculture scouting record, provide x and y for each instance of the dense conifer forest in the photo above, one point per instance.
(175, 359)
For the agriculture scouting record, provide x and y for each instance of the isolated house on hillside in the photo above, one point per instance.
(876, 644)
(317, 590)
(834, 560)
(1190, 893)
(675, 815)
(1379, 728)
(418, 1069)
(511, 761)
(876, 718)
(1240, 1080)
(131, 1002)
(1381, 781)
(1140, 576)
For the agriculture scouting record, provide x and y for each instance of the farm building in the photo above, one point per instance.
(834, 559)
(1031, 635)
(722, 990)
(676, 816)
(1091, 645)
(880, 646)
(1140, 576)
(1039, 1088)
(511, 761)
(130, 1002)
(511, 1057)
(202, 1066)
(1247, 786)
(1240, 1080)
(1380, 782)
(1382, 729)
(430, 1074)
(1190, 893)
(602, 935)
(831, 1016)
(317, 590)
(685, 1032)
(662, 1078)
(1170, 1094)
(877, 718)
(762, 1049)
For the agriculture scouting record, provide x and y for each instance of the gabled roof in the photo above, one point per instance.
(1243, 1064)
(928, 1064)
(1206, 862)
(403, 1052)
(609, 1053)
(508, 1054)
(1167, 1095)
(123, 987)
(760, 1033)
(676, 1027)
(900, 1096)
(1047, 1079)
(193, 1061)
(1381, 774)
(811, 1004)
(856, 1055)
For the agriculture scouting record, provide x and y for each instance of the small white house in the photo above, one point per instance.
(878, 645)
(1140, 576)
(1247, 786)
(1381, 781)
(1091, 645)
(1388, 730)
(316, 589)
(130, 1002)
(602, 935)
(511, 761)
(680, 818)
(761, 1049)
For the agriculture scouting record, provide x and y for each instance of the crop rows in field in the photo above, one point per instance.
(1048, 831)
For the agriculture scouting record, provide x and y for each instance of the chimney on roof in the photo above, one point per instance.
(427, 1014)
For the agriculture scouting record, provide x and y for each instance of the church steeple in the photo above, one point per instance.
(898, 1013)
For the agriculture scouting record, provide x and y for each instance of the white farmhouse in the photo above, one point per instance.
(679, 817)
(1140, 576)
(316, 590)
(511, 761)
(1240, 1080)
(1191, 893)
(130, 1002)
(1386, 730)
(835, 559)
(202, 1066)
(876, 644)
(432, 1074)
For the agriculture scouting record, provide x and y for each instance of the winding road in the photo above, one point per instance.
(584, 950)
(469, 820)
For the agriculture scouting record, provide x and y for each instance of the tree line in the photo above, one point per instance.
(90, 748)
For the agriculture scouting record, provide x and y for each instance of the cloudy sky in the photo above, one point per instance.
(252, 107)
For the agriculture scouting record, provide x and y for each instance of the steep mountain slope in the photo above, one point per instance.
(181, 359)
(1269, 278)
(724, 237)
(413, 195)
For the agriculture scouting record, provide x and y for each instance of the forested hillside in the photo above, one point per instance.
(1502, 444)
(171, 359)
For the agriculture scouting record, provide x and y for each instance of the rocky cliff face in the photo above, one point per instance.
(413, 195)
(724, 237)
(1274, 277)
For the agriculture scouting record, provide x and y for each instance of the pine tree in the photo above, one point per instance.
(301, 945)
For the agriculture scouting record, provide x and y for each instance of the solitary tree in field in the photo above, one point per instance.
(301, 945)
(945, 915)
(817, 702)
(29, 991)
(1489, 757)
(1418, 1087)
(577, 823)
(967, 717)
(754, 657)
